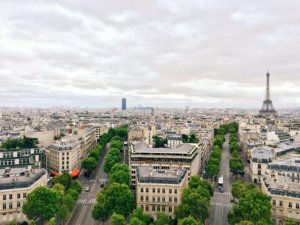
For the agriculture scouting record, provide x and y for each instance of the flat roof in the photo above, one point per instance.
(141, 147)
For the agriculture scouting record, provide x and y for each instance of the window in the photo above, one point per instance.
(153, 190)
(153, 199)
(24, 195)
(163, 208)
(147, 198)
(19, 195)
(170, 208)
(4, 197)
(18, 204)
(280, 203)
(170, 191)
(259, 166)
(153, 208)
(147, 207)
(10, 196)
(163, 190)
(290, 205)
(4, 206)
(142, 198)
(142, 189)
(274, 202)
(158, 199)
(175, 191)
(297, 206)
(170, 199)
(10, 205)
(158, 208)
(175, 199)
(163, 199)
(147, 190)
(158, 190)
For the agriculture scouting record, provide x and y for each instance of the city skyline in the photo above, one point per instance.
(158, 54)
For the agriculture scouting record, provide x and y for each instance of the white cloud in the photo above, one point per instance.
(164, 53)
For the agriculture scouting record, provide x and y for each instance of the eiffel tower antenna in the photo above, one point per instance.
(268, 108)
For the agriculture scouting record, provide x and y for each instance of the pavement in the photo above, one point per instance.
(82, 214)
(220, 203)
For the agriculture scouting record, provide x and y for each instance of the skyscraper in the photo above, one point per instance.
(123, 103)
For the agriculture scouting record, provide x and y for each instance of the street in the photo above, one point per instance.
(82, 214)
(220, 203)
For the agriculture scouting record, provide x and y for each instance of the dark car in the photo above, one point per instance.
(102, 184)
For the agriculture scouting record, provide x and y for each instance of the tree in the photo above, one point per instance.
(159, 142)
(195, 202)
(185, 138)
(236, 166)
(52, 221)
(59, 189)
(117, 219)
(139, 214)
(290, 222)
(95, 153)
(76, 186)
(111, 132)
(65, 179)
(162, 219)
(69, 202)
(193, 139)
(189, 221)
(197, 182)
(254, 207)
(212, 170)
(31, 222)
(89, 164)
(42, 203)
(245, 223)
(116, 144)
(111, 158)
(120, 174)
(136, 221)
(14, 222)
(117, 198)
(63, 213)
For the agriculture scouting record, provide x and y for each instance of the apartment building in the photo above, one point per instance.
(88, 139)
(64, 155)
(260, 157)
(15, 185)
(159, 190)
(31, 157)
(185, 156)
(282, 183)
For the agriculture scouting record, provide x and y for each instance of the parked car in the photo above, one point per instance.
(102, 184)
(87, 188)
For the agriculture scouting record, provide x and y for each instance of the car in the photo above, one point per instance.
(221, 189)
(102, 184)
(87, 188)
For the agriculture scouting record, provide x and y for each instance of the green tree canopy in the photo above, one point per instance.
(189, 221)
(89, 163)
(136, 221)
(65, 179)
(117, 219)
(20, 143)
(69, 202)
(42, 203)
(120, 174)
(112, 157)
(236, 165)
(159, 142)
(162, 219)
(117, 198)
(139, 214)
(254, 207)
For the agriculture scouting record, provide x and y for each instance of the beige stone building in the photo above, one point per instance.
(15, 185)
(64, 155)
(88, 139)
(160, 190)
(282, 183)
(185, 156)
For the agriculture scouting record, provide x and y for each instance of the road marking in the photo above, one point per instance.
(220, 204)
(224, 193)
(86, 201)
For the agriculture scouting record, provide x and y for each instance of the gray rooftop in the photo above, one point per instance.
(147, 174)
(141, 147)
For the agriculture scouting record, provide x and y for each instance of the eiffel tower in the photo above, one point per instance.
(268, 108)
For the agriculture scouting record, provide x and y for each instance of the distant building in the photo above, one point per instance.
(160, 190)
(64, 155)
(15, 185)
(123, 104)
(35, 157)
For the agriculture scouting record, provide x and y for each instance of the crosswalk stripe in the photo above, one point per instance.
(86, 201)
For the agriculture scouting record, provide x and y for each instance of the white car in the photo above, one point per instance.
(87, 188)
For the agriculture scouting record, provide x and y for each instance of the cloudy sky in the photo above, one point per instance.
(202, 53)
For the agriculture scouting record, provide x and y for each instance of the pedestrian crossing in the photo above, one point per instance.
(86, 201)
(224, 193)
(220, 204)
